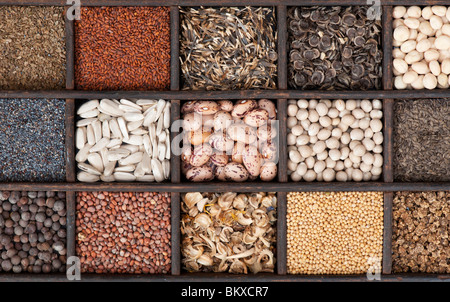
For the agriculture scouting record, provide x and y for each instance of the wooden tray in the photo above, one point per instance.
(282, 185)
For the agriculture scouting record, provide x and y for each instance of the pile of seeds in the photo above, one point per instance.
(334, 48)
(421, 47)
(334, 233)
(420, 235)
(228, 232)
(335, 140)
(229, 141)
(123, 140)
(32, 232)
(32, 132)
(422, 140)
(122, 48)
(32, 47)
(228, 48)
(125, 233)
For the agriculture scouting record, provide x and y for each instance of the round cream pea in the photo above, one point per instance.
(313, 129)
(291, 165)
(442, 81)
(413, 57)
(339, 105)
(442, 42)
(297, 130)
(322, 155)
(345, 138)
(339, 165)
(368, 159)
(436, 22)
(414, 11)
(291, 121)
(368, 133)
(328, 174)
(378, 138)
(332, 143)
(365, 167)
(378, 160)
(305, 151)
(312, 104)
(341, 176)
(423, 45)
(445, 66)
(334, 154)
(378, 149)
(434, 67)
(426, 28)
(319, 166)
(333, 113)
(410, 76)
(376, 171)
(302, 104)
(377, 104)
(418, 84)
(295, 176)
(313, 116)
(301, 169)
(412, 23)
(446, 29)
(325, 121)
(321, 109)
(376, 125)
(401, 33)
(366, 105)
(309, 176)
(398, 54)
(319, 147)
(420, 67)
(292, 110)
(359, 150)
(357, 134)
(429, 81)
(398, 82)
(358, 113)
(323, 134)
(291, 139)
(302, 140)
(357, 175)
(427, 13)
(302, 114)
(439, 10)
(295, 156)
(431, 55)
(350, 105)
(398, 12)
(364, 123)
(368, 144)
(330, 163)
(313, 139)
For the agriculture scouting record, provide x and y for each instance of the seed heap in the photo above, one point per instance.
(32, 47)
(335, 140)
(228, 48)
(229, 141)
(420, 239)
(334, 233)
(123, 140)
(422, 140)
(334, 48)
(124, 233)
(228, 232)
(122, 48)
(32, 232)
(32, 132)
(421, 47)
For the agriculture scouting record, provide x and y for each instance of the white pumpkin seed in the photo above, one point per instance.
(80, 137)
(130, 103)
(149, 116)
(168, 149)
(131, 148)
(109, 178)
(111, 106)
(166, 168)
(160, 107)
(90, 135)
(96, 161)
(146, 163)
(157, 170)
(123, 127)
(114, 143)
(83, 153)
(139, 172)
(133, 117)
(88, 168)
(115, 130)
(97, 127)
(139, 131)
(134, 125)
(90, 113)
(127, 168)
(118, 154)
(109, 168)
(147, 144)
(167, 115)
(104, 117)
(100, 145)
(106, 132)
(146, 102)
(134, 140)
(85, 122)
(133, 158)
(88, 106)
(129, 109)
(159, 126)
(86, 177)
(124, 176)
(146, 178)
(104, 155)
(161, 151)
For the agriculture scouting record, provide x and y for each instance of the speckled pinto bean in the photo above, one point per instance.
(121, 232)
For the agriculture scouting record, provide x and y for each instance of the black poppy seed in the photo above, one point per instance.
(32, 136)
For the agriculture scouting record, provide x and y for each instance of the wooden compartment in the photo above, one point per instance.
(281, 184)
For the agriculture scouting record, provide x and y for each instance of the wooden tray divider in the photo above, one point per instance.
(281, 244)
(387, 234)
(175, 233)
(386, 19)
